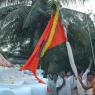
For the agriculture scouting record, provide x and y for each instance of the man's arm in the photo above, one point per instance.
(85, 87)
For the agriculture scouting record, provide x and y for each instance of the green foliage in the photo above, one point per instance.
(22, 26)
(11, 28)
(6, 10)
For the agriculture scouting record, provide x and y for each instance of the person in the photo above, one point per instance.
(94, 86)
(55, 76)
(63, 85)
(84, 76)
(88, 83)
(68, 74)
(51, 89)
(74, 90)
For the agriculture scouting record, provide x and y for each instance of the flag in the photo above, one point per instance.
(52, 36)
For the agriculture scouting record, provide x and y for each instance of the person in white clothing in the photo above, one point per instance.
(84, 76)
(63, 85)
(88, 83)
(51, 89)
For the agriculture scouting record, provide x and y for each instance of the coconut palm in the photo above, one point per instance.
(22, 26)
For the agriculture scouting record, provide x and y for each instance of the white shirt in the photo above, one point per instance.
(66, 89)
(59, 81)
(73, 85)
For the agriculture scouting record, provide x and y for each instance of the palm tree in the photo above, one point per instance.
(23, 25)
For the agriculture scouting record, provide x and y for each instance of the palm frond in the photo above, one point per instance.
(32, 16)
(78, 25)
(73, 1)
(12, 25)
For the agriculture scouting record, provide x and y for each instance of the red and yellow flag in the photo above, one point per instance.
(52, 36)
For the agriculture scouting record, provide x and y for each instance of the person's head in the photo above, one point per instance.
(90, 76)
(55, 77)
(49, 76)
(68, 74)
(80, 71)
(62, 74)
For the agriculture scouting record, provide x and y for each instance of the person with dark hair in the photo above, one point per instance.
(51, 89)
(84, 76)
(55, 75)
(63, 85)
(88, 83)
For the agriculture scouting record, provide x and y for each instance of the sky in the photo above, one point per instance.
(89, 5)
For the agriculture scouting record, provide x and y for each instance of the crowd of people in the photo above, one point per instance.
(65, 83)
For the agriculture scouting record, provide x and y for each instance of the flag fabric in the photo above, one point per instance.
(52, 36)
(73, 66)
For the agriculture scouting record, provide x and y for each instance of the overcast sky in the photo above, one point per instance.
(89, 5)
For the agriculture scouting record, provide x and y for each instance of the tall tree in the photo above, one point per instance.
(22, 26)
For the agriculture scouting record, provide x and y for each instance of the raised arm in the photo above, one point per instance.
(87, 70)
(83, 85)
